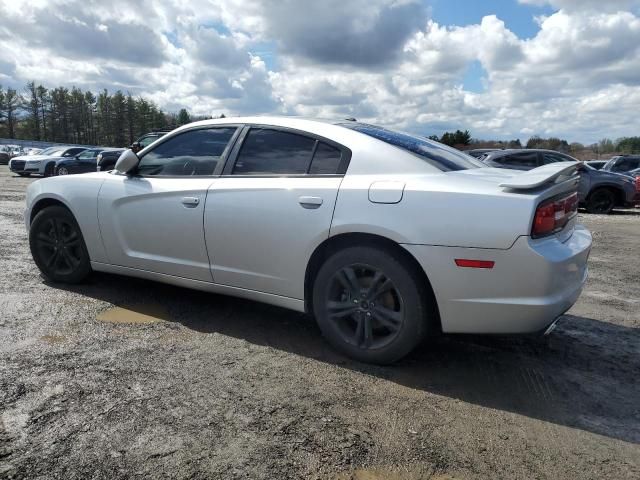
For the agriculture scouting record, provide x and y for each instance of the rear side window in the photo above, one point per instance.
(519, 160)
(194, 152)
(274, 152)
(440, 156)
(626, 164)
(326, 160)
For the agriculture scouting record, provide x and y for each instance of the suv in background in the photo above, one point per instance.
(107, 158)
(599, 191)
(622, 164)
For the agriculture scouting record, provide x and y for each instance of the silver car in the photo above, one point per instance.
(386, 238)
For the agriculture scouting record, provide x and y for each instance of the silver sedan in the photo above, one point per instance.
(385, 237)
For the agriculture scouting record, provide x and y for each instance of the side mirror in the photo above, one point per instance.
(127, 161)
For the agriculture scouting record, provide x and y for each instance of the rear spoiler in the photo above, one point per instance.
(551, 173)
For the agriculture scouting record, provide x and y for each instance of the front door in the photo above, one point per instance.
(271, 209)
(153, 220)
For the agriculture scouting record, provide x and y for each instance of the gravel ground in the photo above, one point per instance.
(124, 378)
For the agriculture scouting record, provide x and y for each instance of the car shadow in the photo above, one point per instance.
(584, 375)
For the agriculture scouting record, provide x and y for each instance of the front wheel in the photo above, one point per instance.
(370, 305)
(63, 171)
(58, 247)
(24, 174)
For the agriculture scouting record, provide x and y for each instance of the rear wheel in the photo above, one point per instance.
(370, 305)
(58, 247)
(601, 201)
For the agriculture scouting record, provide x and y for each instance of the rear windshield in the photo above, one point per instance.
(440, 156)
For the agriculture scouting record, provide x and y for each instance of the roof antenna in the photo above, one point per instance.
(351, 119)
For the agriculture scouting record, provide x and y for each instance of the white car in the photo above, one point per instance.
(387, 238)
(43, 163)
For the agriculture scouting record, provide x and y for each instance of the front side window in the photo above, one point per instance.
(148, 140)
(440, 156)
(274, 152)
(194, 152)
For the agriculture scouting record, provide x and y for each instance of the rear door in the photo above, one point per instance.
(153, 220)
(271, 208)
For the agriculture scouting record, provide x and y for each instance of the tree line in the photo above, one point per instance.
(66, 115)
(463, 140)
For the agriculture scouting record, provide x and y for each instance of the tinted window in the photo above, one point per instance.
(519, 160)
(626, 164)
(148, 140)
(440, 156)
(73, 151)
(326, 160)
(555, 157)
(195, 152)
(267, 152)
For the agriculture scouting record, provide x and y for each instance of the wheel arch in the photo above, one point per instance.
(45, 202)
(345, 240)
(619, 193)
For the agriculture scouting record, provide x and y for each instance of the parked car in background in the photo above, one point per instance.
(385, 237)
(597, 164)
(524, 159)
(5, 155)
(480, 152)
(14, 150)
(623, 163)
(83, 162)
(44, 163)
(107, 159)
(599, 191)
(147, 139)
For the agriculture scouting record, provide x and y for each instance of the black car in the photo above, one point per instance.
(599, 191)
(107, 159)
(83, 162)
(623, 164)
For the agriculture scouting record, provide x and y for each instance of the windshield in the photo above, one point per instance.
(50, 151)
(440, 156)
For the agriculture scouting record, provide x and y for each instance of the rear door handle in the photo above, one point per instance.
(310, 202)
(190, 202)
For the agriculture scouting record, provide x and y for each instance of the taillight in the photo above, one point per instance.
(638, 183)
(551, 216)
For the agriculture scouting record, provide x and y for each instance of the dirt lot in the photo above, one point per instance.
(124, 378)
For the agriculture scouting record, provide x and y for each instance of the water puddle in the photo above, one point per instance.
(137, 314)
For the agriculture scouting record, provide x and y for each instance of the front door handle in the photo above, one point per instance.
(190, 202)
(310, 202)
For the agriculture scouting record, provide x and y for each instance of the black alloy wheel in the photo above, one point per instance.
(601, 201)
(58, 247)
(370, 304)
(365, 306)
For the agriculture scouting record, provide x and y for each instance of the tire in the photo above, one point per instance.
(24, 174)
(389, 316)
(62, 171)
(601, 200)
(57, 246)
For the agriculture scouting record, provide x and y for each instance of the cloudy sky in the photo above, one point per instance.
(500, 68)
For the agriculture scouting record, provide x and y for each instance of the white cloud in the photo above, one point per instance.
(378, 60)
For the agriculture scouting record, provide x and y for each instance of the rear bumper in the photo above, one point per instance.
(530, 285)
